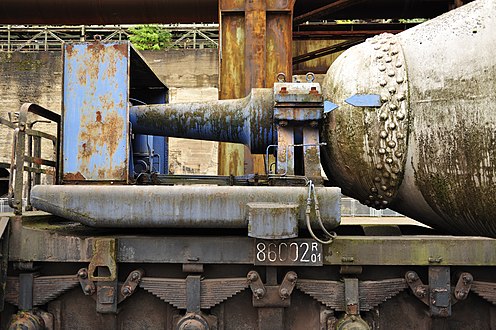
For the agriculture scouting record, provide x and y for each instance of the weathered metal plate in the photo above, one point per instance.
(411, 250)
(294, 252)
(95, 111)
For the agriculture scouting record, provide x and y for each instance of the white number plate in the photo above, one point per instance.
(294, 252)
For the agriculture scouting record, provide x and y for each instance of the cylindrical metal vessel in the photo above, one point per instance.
(248, 120)
(429, 150)
(176, 206)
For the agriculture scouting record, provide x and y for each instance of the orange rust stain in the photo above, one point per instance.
(74, 177)
(37, 161)
(69, 48)
(98, 116)
(100, 137)
(122, 49)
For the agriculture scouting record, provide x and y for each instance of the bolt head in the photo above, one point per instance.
(83, 274)
(134, 276)
(292, 277)
(252, 277)
(87, 289)
(259, 293)
(284, 293)
(126, 290)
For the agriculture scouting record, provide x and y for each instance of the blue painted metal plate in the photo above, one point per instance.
(364, 100)
(95, 111)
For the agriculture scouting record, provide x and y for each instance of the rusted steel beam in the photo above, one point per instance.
(303, 35)
(327, 9)
(106, 12)
(326, 51)
(255, 45)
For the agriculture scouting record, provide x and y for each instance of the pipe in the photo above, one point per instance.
(247, 121)
(107, 11)
(176, 206)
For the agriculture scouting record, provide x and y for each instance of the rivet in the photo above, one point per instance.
(383, 116)
(379, 166)
(383, 41)
(373, 190)
(388, 59)
(382, 68)
(371, 197)
(399, 80)
(398, 64)
(392, 89)
(379, 56)
(395, 170)
(380, 197)
(382, 151)
(383, 134)
(392, 125)
(394, 51)
(386, 175)
(389, 160)
(391, 73)
(377, 47)
(393, 107)
(391, 144)
(389, 194)
(398, 154)
(377, 179)
(400, 116)
(371, 40)
(377, 203)
(400, 136)
(392, 42)
(384, 188)
(385, 49)
(384, 98)
(386, 202)
(383, 83)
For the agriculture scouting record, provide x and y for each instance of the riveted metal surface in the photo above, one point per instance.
(95, 111)
(429, 151)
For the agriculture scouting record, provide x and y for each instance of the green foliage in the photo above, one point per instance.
(150, 37)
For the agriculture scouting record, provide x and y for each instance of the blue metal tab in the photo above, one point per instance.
(329, 106)
(364, 100)
(95, 111)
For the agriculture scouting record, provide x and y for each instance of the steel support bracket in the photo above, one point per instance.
(419, 289)
(256, 285)
(287, 285)
(272, 296)
(437, 295)
(463, 286)
(87, 285)
(103, 266)
(129, 286)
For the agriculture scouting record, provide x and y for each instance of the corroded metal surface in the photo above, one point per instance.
(429, 151)
(95, 111)
(107, 12)
(247, 121)
(177, 206)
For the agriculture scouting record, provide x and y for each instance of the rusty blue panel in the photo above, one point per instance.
(95, 111)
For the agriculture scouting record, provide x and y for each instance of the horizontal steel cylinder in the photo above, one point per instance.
(429, 150)
(247, 121)
(175, 206)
